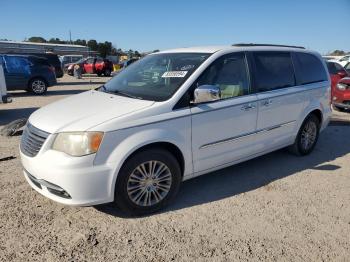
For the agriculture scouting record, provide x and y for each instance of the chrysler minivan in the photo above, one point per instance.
(172, 116)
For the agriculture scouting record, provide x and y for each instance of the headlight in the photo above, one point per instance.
(78, 143)
(341, 86)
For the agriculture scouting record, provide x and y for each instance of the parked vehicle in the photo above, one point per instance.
(172, 116)
(68, 59)
(347, 68)
(336, 72)
(341, 94)
(92, 65)
(344, 60)
(53, 60)
(4, 98)
(27, 72)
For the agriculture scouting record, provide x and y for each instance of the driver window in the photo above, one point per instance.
(229, 73)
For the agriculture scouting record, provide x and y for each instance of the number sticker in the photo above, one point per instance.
(174, 74)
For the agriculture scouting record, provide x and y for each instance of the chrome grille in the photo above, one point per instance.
(32, 140)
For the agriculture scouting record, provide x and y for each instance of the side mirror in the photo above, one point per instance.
(206, 93)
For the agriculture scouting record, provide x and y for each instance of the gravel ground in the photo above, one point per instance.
(276, 207)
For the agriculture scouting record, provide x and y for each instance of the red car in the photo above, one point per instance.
(337, 72)
(92, 65)
(341, 94)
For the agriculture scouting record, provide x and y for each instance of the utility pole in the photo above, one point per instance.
(70, 37)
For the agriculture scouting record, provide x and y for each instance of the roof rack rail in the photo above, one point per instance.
(251, 44)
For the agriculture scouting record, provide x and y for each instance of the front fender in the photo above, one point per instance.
(117, 146)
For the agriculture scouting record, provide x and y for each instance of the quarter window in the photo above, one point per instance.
(229, 73)
(273, 70)
(309, 69)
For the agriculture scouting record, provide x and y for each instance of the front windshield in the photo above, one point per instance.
(155, 77)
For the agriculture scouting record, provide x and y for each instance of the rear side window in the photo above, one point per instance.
(309, 69)
(273, 70)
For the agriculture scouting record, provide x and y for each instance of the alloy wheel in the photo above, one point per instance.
(308, 135)
(149, 183)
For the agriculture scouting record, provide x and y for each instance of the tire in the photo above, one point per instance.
(137, 195)
(107, 72)
(38, 86)
(340, 109)
(308, 132)
(99, 73)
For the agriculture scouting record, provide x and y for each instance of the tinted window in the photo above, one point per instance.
(309, 68)
(273, 70)
(14, 64)
(229, 73)
(347, 66)
(331, 68)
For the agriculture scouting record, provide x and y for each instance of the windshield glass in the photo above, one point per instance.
(155, 77)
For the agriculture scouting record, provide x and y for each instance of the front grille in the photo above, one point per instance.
(32, 140)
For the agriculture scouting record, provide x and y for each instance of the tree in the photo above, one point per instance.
(92, 44)
(105, 48)
(37, 39)
(338, 53)
(80, 42)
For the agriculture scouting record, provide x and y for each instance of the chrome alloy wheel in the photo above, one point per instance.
(149, 183)
(308, 135)
(38, 86)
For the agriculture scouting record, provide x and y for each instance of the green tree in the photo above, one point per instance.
(92, 44)
(37, 39)
(80, 42)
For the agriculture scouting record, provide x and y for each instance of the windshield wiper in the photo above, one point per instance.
(117, 92)
(121, 93)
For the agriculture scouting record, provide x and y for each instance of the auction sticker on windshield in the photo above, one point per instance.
(174, 74)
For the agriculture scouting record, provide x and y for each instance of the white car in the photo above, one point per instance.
(344, 60)
(172, 116)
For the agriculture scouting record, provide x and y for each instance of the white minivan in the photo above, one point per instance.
(172, 116)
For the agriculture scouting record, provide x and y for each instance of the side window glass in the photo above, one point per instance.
(338, 67)
(230, 74)
(309, 68)
(273, 70)
(16, 65)
(331, 68)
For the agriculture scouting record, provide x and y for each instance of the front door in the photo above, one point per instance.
(224, 130)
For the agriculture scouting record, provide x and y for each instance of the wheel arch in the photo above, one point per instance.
(37, 77)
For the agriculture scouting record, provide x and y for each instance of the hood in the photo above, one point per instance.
(84, 111)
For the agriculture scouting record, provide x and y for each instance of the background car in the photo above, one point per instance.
(92, 65)
(68, 59)
(341, 94)
(53, 60)
(336, 72)
(344, 60)
(347, 68)
(27, 72)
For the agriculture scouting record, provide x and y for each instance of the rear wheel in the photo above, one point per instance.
(307, 136)
(38, 86)
(147, 182)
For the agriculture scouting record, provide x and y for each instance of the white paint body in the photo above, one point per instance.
(130, 124)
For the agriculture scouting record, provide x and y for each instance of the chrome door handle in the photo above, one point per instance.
(267, 102)
(247, 107)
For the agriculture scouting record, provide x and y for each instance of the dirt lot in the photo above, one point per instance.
(277, 207)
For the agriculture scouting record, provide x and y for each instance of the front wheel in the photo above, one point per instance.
(147, 182)
(38, 86)
(307, 136)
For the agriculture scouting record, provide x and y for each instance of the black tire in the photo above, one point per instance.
(37, 86)
(340, 109)
(107, 72)
(298, 148)
(122, 198)
(99, 73)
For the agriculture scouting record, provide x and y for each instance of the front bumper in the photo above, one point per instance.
(69, 180)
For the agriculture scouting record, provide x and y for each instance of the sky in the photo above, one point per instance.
(145, 25)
